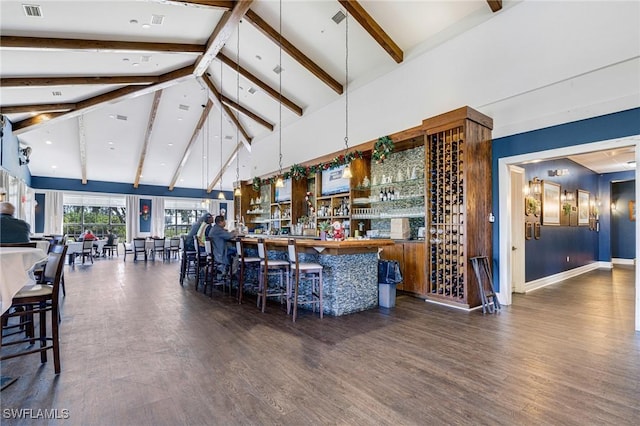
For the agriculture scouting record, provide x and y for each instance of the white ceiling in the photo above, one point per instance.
(114, 132)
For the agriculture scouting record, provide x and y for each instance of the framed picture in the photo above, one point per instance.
(632, 211)
(583, 208)
(550, 203)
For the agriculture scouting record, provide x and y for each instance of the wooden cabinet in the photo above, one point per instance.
(410, 257)
(458, 182)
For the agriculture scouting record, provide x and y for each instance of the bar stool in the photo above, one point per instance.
(243, 261)
(276, 266)
(306, 270)
(215, 273)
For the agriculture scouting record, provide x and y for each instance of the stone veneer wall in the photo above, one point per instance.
(399, 165)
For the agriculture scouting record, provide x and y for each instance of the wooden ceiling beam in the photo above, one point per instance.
(190, 145)
(292, 51)
(262, 85)
(128, 92)
(222, 32)
(242, 110)
(66, 81)
(147, 137)
(371, 26)
(214, 96)
(495, 5)
(19, 109)
(42, 43)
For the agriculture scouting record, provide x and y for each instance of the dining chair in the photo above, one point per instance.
(38, 300)
(128, 249)
(110, 248)
(174, 247)
(139, 246)
(188, 261)
(303, 270)
(270, 267)
(87, 250)
(243, 262)
(158, 247)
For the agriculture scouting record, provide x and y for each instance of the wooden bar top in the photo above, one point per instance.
(324, 246)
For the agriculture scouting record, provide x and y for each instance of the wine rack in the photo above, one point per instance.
(458, 200)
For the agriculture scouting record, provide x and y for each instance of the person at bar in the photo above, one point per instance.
(221, 252)
(199, 228)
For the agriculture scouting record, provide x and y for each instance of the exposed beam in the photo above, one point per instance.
(118, 95)
(192, 141)
(242, 110)
(42, 43)
(215, 97)
(220, 35)
(495, 5)
(67, 81)
(255, 80)
(17, 109)
(371, 26)
(224, 167)
(82, 138)
(219, 4)
(147, 136)
(292, 51)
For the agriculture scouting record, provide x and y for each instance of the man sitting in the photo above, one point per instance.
(221, 253)
(12, 230)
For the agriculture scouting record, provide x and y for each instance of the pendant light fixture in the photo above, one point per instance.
(279, 181)
(346, 173)
(220, 193)
(238, 192)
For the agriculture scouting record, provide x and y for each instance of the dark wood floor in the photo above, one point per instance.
(138, 349)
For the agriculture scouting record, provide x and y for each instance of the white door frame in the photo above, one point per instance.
(517, 239)
(504, 196)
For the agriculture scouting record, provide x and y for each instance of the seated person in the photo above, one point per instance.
(110, 239)
(221, 253)
(12, 230)
(199, 229)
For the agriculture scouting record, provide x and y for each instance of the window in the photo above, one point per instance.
(179, 215)
(95, 212)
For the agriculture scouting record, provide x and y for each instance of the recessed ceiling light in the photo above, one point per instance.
(135, 64)
(125, 59)
(162, 164)
(258, 57)
(54, 167)
(110, 143)
(146, 26)
(179, 118)
(48, 142)
(112, 116)
(170, 144)
(133, 21)
(112, 148)
(278, 69)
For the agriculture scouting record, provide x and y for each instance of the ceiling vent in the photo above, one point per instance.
(278, 69)
(121, 117)
(183, 107)
(338, 17)
(252, 90)
(227, 137)
(56, 93)
(157, 19)
(145, 58)
(32, 10)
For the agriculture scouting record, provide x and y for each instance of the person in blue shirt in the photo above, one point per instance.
(221, 252)
(12, 230)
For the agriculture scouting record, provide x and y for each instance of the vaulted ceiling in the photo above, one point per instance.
(173, 93)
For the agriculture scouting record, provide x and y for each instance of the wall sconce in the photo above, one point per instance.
(24, 154)
(3, 194)
(567, 196)
(613, 206)
(535, 186)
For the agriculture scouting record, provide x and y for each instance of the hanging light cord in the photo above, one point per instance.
(238, 102)
(280, 92)
(346, 85)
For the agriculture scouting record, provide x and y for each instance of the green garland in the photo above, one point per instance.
(298, 171)
(382, 149)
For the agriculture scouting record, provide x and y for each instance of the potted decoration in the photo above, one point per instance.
(324, 227)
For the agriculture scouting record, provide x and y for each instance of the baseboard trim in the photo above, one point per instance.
(552, 279)
(620, 261)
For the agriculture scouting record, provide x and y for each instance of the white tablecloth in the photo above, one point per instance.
(42, 245)
(16, 264)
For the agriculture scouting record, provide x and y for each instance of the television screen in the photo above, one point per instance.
(284, 193)
(333, 182)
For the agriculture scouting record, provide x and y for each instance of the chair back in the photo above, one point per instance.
(208, 246)
(29, 244)
(158, 243)
(139, 244)
(292, 251)
(53, 270)
(239, 248)
(87, 245)
(262, 253)
(174, 243)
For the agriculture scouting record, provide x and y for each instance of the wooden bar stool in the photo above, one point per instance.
(276, 266)
(305, 270)
(243, 261)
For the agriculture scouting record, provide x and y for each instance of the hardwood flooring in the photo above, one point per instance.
(138, 349)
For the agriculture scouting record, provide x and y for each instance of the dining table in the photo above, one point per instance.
(16, 272)
(75, 248)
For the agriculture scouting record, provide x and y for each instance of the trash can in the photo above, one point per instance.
(389, 276)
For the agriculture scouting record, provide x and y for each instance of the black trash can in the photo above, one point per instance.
(389, 276)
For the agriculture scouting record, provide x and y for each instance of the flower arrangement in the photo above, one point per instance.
(145, 212)
(382, 148)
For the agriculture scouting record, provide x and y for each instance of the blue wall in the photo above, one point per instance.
(610, 126)
(39, 214)
(604, 185)
(548, 255)
(623, 241)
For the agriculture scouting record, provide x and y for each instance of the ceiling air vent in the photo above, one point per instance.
(183, 107)
(32, 10)
(145, 58)
(338, 17)
(56, 93)
(121, 117)
(227, 137)
(278, 69)
(157, 19)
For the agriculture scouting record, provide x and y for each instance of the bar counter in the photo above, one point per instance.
(350, 268)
